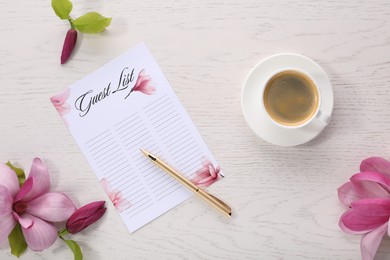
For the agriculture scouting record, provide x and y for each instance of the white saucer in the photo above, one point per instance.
(260, 122)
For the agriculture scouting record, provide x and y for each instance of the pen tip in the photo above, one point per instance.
(143, 151)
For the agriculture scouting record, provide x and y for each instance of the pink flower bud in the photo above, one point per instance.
(69, 43)
(85, 216)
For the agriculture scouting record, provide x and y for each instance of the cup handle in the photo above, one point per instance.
(323, 118)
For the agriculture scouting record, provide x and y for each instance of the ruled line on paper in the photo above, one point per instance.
(168, 186)
(109, 175)
(118, 166)
(165, 132)
(114, 149)
(104, 143)
(128, 185)
(126, 118)
(160, 180)
(134, 191)
(124, 177)
(195, 154)
(178, 155)
(146, 206)
(168, 110)
(167, 194)
(102, 149)
(97, 141)
(112, 162)
(107, 159)
(90, 140)
(138, 142)
(128, 127)
(152, 175)
(156, 103)
(166, 121)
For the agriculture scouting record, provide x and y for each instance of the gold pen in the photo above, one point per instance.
(215, 202)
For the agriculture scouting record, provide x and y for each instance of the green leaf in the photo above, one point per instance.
(78, 255)
(62, 8)
(19, 172)
(16, 241)
(91, 23)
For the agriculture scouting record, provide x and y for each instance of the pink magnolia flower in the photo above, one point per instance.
(143, 84)
(32, 205)
(116, 198)
(207, 175)
(85, 216)
(367, 194)
(59, 102)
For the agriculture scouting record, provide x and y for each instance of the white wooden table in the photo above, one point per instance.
(284, 199)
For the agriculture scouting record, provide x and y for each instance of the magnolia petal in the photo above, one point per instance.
(354, 223)
(41, 183)
(7, 223)
(41, 235)
(26, 188)
(375, 164)
(24, 221)
(6, 201)
(372, 184)
(371, 241)
(347, 193)
(372, 207)
(9, 179)
(52, 206)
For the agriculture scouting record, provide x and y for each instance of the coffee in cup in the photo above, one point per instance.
(291, 98)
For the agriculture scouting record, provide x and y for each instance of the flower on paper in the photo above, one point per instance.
(116, 197)
(85, 216)
(143, 84)
(32, 206)
(59, 102)
(207, 175)
(367, 195)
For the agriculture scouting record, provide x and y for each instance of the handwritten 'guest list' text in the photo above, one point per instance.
(122, 107)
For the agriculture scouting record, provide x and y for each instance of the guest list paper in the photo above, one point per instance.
(122, 107)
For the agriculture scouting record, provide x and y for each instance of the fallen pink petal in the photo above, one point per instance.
(367, 195)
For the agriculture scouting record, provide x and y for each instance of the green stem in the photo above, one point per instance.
(71, 23)
(63, 232)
